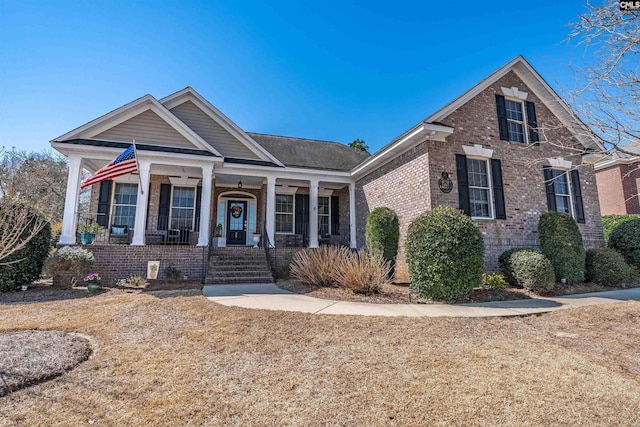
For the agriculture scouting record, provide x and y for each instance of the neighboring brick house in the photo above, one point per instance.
(618, 178)
(503, 152)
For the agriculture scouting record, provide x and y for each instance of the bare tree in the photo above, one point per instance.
(18, 225)
(607, 90)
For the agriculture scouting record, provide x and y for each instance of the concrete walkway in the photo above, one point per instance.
(270, 297)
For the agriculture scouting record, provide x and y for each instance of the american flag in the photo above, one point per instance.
(123, 164)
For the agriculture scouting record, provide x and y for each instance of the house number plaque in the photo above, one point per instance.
(445, 183)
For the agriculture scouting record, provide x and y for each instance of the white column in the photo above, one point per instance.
(313, 213)
(70, 220)
(270, 215)
(205, 206)
(352, 215)
(142, 203)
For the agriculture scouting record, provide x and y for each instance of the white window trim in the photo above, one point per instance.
(195, 202)
(293, 214)
(490, 182)
(113, 200)
(569, 189)
(525, 127)
(328, 215)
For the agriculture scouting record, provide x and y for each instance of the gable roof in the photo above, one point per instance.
(310, 153)
(189, 94)
(130, 111)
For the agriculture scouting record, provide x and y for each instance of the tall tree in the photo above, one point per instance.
(36, 178)
(359, 144)
(607, 90)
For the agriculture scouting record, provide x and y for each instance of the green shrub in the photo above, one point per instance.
(363, 272)
(494, 281)
(607, 267)
(625, 239)
(7, 285)
(68, 264)
(382, 233)
(172, 273)
(505, 265)
(561, 243)
(444, 251)
(532, 270)
(610, 222)
(25, 265)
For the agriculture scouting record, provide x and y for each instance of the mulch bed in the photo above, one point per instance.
(30, 357)
(399, 294)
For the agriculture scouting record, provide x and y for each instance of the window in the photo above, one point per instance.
(515, 121)
(284, 213)
(124, 205)
(324, 215)
(479, 188)
(183, 208)
(561, 190)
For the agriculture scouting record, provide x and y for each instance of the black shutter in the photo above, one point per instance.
(463, 184)
(502, 118)
(335, 215)
(498, 189)
(548, 183)
(163, 206)
(532, 122)
(301, 218)
(104, 203)
(146, 223)
(198, 204)
(577, 196)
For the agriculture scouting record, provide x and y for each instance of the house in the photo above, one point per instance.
(618, 176)
(505, 151)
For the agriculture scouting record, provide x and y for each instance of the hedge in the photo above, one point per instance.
(382, 233)
(532, 270)
(561, 242)
(610, 222)
(444, 251)
(504, 260)
(607, 267)
(625, 239)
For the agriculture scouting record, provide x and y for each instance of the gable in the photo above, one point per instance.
(146, 127)
(212, 132)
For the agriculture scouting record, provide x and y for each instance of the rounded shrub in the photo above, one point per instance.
(532, 270)
(625, 239)
(505, 264)
(444, 251)
(68, 264)
(607, 267)
(561, 242)
(382, 233)
(25, 265)
(610, 222)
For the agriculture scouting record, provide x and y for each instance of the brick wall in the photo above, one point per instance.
(115, 262)
(409, 183)
(618, 189)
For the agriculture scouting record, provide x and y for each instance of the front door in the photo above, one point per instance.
(237, 223)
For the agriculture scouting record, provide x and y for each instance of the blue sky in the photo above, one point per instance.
(326, 70)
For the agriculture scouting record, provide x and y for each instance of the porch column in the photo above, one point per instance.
(313, 213)
(142, 203)
(352, 216)
(270, 215)
(205, 205)
(69, 219)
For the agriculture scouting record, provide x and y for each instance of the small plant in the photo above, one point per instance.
(172, 273)
(316, 267)
(137, 281)
(561, 243)
(363, 272)
(68, 264)
(91, 228)
(532, 270)
(494, 281)
(444, 250)
(607, 267)
(218, 231)
(7, 285)
(92, 279)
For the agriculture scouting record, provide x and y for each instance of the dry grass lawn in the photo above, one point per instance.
(178, 359)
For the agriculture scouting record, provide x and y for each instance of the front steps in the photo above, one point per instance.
(238, 264)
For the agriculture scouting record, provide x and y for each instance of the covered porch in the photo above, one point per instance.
(196, 200)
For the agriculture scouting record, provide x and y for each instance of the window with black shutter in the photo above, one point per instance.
(516, 120)
(564, 193)
(480, 187)
(104, 203)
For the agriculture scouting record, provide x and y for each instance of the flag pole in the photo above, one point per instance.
(135, 155)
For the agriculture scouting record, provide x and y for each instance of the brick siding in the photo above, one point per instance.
(618, 189)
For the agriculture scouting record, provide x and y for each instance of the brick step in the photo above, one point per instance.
(237, 280)
(238, 262)
(251, 267)
(246, 273)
